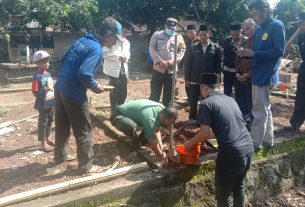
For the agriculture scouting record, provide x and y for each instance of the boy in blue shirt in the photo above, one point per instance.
(42, 88)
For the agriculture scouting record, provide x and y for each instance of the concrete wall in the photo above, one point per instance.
(62, 42)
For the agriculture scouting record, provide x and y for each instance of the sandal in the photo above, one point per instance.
(94, 169)
(49, 142)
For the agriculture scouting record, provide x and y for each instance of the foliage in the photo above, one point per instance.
(287, 11)
(150, 13)
(64, 14)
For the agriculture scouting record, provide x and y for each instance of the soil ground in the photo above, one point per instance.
(23, 166)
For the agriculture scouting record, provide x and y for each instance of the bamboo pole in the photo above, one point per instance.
(72, 184)
(289, 42)
(171, 140)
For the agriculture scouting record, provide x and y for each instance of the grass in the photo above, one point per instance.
(3, 110)
(284, 147)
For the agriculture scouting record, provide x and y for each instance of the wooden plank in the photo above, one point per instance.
(73, 184)
(15, 90)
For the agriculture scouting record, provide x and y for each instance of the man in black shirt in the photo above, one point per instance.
(204, 57)
(298, 116)
(222, 114)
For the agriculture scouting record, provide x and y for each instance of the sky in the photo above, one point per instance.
(273, 3)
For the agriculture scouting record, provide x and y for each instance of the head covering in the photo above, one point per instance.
(209, 79)
(235, 26)
(190, 27)
(40, 55)
(113, 26)
(204, 28)
(300, 18)
(171, 22)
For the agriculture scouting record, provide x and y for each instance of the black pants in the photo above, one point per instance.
(243, 97)
(70, 112)
(45, 120)
(187, 91)
(230, 178)
(229, 81)
(298, 115)
(119, 93)
(159, 81)
(194, 97)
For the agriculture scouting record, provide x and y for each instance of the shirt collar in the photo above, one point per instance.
(209, 42)
(266, 21)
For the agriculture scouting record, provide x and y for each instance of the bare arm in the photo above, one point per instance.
(201, 136)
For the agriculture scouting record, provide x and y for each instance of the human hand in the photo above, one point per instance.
(187, 83)
(188, 145)
(245, 52)
(123, 59)
(163, 64)
(99, 89)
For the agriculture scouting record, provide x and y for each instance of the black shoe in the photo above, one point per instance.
(294, 127)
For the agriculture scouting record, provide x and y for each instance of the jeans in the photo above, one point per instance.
(69, 112)
(243, 97)
(262, 125)
(230, 178)
(159, 81)
(229, 80)
(45, 119)
(119, 93)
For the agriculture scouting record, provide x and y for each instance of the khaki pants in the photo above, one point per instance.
(262, 125)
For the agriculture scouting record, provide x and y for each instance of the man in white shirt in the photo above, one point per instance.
(116, 67)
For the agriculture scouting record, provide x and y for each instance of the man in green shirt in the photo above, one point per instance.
(149, 115)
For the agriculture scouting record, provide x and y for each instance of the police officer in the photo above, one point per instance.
(230, 46)
(298, 115)
(204, 57)
(161, 49)
(221, 113)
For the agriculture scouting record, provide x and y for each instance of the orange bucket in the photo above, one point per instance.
(189, 157)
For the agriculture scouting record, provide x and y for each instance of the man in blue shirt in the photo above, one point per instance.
(71, 106)
(268, 48)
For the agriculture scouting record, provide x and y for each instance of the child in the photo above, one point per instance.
(42, 88)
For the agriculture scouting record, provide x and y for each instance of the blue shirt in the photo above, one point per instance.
(42, 85)
(77, 68)
(268, 46)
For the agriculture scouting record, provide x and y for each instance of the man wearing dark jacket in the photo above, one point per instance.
(204, 57)
(71, 105)
(230, 46)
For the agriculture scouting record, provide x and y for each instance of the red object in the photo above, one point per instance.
(189, 157)
(283, 87)
(35, 86)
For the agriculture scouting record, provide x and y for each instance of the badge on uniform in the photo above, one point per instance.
(265, 36)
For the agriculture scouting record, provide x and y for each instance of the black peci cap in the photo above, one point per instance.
(204, 28)
(209, 79)
(190, 27)
(235, 26)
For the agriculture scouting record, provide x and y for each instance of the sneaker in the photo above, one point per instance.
(191, 122)
(69, 158)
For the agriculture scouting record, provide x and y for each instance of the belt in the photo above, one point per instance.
(226, 68)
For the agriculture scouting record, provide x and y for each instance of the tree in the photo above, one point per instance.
(66, 14)
(287, 11)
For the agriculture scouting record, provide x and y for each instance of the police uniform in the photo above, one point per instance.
(162, 47)
(298, 116)
(200, 60)
(221, 113)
